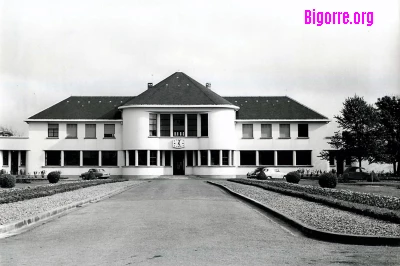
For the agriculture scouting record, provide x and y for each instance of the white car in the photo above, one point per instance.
(270, 173)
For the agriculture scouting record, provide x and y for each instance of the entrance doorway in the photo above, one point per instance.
(14, 163)
(179, 163)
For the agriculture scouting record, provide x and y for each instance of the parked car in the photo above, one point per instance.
(266, 173)
(356, 173)
(99, 173)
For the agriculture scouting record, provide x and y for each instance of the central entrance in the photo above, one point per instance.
(179, 162)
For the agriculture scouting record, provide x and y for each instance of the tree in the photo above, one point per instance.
(388, 131)
(10, 130)
(357, 138)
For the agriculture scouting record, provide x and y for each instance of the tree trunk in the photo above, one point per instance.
(359, 162)
(394, 168)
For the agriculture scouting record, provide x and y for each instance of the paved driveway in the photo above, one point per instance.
(177, 222)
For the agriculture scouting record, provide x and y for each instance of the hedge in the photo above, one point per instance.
(20, 194)
(304, 192)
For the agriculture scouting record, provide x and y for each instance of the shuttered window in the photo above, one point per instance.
(109, 130)
(72, 131)
(247, 131)
(266, 131)
(284, 131)
(90, 131)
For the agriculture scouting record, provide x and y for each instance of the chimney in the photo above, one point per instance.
(149, 85)
(208, 86)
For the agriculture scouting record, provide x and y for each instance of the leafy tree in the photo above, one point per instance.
(357, 138)
(388, 131)
(10, 130)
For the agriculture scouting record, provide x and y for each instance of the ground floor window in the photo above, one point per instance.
(53, 158)
(23, 158)
(303, 157)
(142, 157)
(153, 157)
(90, 158)
(189, 158)
(225, 157)
(109, 158)
(71, 158)
(167, 159)
(132, 156)
(204, 157)
(5, 158)
(285, 157)
(266, 157)
(247, 157)
(214, 157)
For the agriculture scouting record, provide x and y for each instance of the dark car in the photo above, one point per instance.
(356, 173)
(99, 173)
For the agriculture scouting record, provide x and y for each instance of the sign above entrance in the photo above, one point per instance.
(178, 143)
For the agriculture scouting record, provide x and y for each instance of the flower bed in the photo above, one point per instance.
(374, 206)
(19, 194)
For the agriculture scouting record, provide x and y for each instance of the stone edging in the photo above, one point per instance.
(314, 233)
(8, 229)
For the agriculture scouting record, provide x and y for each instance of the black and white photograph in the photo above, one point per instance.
(150, 132)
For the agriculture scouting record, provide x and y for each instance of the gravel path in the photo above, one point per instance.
(315, 214)
(16, 211)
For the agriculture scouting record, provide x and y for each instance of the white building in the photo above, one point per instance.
(176, 127)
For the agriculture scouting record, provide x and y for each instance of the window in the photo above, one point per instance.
(285, 157)
(214, 157)
(204, 157)
(90, 158)
(53, 157)
(72, 131)
(167, 155)
(142, 157)
(109, 158)
(225, 157)
(331, 158)
(5, 158)
(132, 156)
(192, 125)
(266, 131)
(189, 158)
(303, 157)
(303, 130)
(23, 158)
(204, 125)
(71, 158)
(247, 130)
(53, 130)
(153, 157)
(90, 131)
(165, 124)
(284, 131)
(179, 125)
(196, 158)
(109, 130)
(247, 157)
(266, 157)
(153, 125)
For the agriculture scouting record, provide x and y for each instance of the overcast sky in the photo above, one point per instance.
(50, 50)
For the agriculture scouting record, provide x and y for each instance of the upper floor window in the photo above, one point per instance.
(109, 130)
(72, 131)
(179, 124)
(303, 130)
(192, 125)
(266, 131)
(90, 131)
(153, 125)
(284, 131)
(53, 130)
(247, 131)
(165, 125)
(204, 125)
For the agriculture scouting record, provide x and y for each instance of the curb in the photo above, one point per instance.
(8, 229)
(314, 233)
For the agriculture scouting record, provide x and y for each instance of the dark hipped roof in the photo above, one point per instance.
(280, 107)
(178, 89)
(85, 107)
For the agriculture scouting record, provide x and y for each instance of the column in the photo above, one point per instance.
(294, 158)
(236, 158)
(184, 158)
(163, 158)
(99, 158)
(158, 157)
(1, 158)
(220, 157)
(136, 158)
(172, 158)
(126, 158)
(62, 158)
(230, 158)
(208, 157)
(198, 126)
(193, 158)
(186, 126)
(275, 158)
(19, 159)
(80, 158)
(148, 157)
(257, 158)
(171, 123)
(198, 158)
(158, 125)
(9, 160)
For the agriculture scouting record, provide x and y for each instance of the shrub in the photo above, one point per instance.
(327, 180)
(7, 181)
(53, 177)
(261, 175)
(293, 177)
